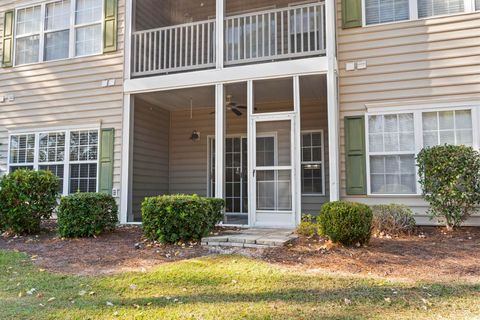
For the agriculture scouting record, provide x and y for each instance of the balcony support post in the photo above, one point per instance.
(332, 101)
(219, 33)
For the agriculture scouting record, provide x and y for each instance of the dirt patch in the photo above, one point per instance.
(116, 252)
(431, 255)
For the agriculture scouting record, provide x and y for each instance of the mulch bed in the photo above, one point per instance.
(431, 255)
(116, 252)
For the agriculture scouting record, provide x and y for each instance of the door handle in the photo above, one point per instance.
(254, 172)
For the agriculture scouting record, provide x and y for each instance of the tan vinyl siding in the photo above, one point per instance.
(424, 61)
(63, 93)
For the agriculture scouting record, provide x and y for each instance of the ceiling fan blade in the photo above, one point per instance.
(236, 111)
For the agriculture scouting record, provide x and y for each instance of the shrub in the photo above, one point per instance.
(308, 227)
(393, 219)
(180, 217)
(27, 198)
(86, 215)
(346, 222)
(450, 179)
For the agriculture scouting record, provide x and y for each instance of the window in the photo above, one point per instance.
(394, 141)
(58, 30)
(22, 151)
(88, 27)
(71, 155)
(392, 154)
(28, 35)
(51, 154)
(265, 151)
(312, 162)
(477, 5)
(447, 127)
(429, 8)
(83, 161)
(382, 11)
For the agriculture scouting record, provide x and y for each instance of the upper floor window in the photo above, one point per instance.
(429, 8)
(58, 30)
(384, 11)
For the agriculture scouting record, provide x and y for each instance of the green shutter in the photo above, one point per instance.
(8, 23)
(355, 155)
(351, 13)
(110, 30)
(106, 160)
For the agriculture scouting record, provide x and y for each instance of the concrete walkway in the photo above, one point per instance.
(251, 238)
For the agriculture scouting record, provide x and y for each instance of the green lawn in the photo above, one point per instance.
(224, 287)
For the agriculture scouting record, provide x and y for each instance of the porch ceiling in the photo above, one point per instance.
(204, 97)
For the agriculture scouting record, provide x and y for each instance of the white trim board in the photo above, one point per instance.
(317, 65)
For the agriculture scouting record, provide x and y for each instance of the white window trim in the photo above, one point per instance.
(66, 162)
(469, 6)
(417, 111)
(72, 35)
(309, 194)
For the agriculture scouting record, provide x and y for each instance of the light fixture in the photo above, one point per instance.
(195, 136)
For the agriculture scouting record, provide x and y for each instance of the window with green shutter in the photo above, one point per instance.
(355, 155)
(8, 23)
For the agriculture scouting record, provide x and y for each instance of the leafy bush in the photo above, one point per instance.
(450, 179)
(393, 219)
(180, 217)
(308, 227)
(27, 198)
(86, 215)
(346, 222)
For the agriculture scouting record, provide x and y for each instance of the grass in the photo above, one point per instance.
(224, 287)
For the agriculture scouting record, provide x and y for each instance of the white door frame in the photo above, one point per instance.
(294, 118)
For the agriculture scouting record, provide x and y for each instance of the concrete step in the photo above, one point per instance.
(251, 238)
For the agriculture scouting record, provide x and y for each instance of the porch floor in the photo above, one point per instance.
(252, 238)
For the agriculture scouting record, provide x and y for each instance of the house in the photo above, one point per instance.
(305, 101)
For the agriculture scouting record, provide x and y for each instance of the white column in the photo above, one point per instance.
(297, 152)
(332, 102)
(220, 15)
(219, 141)
(127, 134)
(129, 11)
(251, 156)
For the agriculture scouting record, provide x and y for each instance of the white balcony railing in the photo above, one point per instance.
(286, 33)
(296, 31)
(171, 49)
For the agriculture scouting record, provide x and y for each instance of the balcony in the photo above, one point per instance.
(291, 32)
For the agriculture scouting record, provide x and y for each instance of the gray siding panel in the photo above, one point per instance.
(150, 164)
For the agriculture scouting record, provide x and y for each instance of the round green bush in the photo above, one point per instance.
(450, 179)
(393, 219)
(174, 218)
(348, 223)
(86, 215)
(27, 198)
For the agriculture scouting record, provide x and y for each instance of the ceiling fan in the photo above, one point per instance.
(233, 106)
